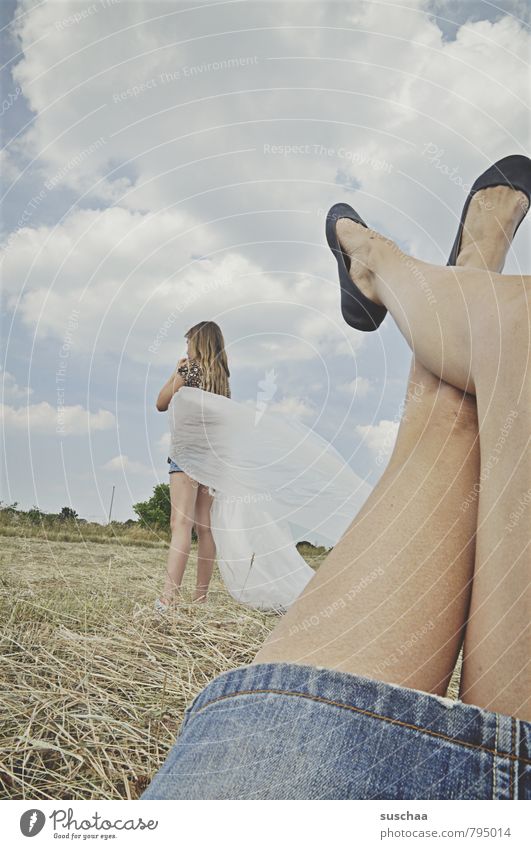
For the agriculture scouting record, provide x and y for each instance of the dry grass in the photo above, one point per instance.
(17, 525)
(94, 684)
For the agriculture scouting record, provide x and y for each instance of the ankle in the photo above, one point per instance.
(171, 596)
(372, 282)
(200, 599)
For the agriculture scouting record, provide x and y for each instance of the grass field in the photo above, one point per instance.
(94, 684)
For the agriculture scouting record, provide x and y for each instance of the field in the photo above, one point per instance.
(93, 683)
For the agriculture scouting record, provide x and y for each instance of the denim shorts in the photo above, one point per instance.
(173, 467)
(288, 731)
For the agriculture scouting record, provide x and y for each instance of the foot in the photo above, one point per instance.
(358, 243)
(200, 599)
(164, 603)
(498, 208)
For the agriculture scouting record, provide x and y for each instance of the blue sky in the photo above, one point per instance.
(165, 163)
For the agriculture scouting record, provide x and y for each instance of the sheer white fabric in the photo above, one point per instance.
(275, 482)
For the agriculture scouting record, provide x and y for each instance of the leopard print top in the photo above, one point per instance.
(192, 373)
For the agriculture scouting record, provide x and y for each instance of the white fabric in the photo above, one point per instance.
(275, 481)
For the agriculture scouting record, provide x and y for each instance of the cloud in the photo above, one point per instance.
(359, 387)
(42, 418)
(10, 388)
(164, 441)
(379, 438)
(118, 116)
(296, 407)
(292, 406)
(178, 164)
(122, 463)
(135, 284)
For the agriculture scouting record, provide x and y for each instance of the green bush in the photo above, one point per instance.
(156, 512)
(67, 513)
(35, 515)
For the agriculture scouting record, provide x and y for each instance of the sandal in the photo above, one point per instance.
(513, 171)
(358, 310)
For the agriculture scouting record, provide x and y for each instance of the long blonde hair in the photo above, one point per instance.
(207, 347)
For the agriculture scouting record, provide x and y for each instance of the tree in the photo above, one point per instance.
(67, 513)
(156, 511)
(35, 515)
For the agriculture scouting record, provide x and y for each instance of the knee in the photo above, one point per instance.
(203, 530)
(181, 524)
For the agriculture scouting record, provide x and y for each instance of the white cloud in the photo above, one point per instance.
(181, 210)
(301, 408)
(164, 441)
(379, 438)
(397, 84)
(44, 419)
(10, 388)
(137, 283)
(194, 193)
(359, 387)
(297, 407)
(122, 463)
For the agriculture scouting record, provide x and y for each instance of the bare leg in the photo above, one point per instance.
(497, 641)
(487, 318)
(390, 601)
(445, 314)
(206, 549)
(391, 598)
(183, 494)
(496, 671)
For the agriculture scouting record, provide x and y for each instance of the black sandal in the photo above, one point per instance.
(513, 171)
(358, 310)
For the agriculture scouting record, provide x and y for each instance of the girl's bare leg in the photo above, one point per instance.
(496, 670)
(445, 314)
(206, 549)
(497, 643)
(391, 599)
(183, 494)
(479, 326)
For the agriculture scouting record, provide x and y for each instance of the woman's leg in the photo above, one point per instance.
(434, 307)
(487, 317)
(391, 599)
(183, 494)
(206, 549)
(497, 642)
(497, 653)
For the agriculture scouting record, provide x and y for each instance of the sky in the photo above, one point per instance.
(165, 163)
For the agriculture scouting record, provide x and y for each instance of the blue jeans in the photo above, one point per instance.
(287, 731)
(173, 467)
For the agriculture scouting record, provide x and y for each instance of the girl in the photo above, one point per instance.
(206, 368)
(275, 481)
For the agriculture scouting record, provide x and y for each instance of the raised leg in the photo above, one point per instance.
(497, 643)
(480, 338)
(391, 599)
(496, 666)
(432, 306)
